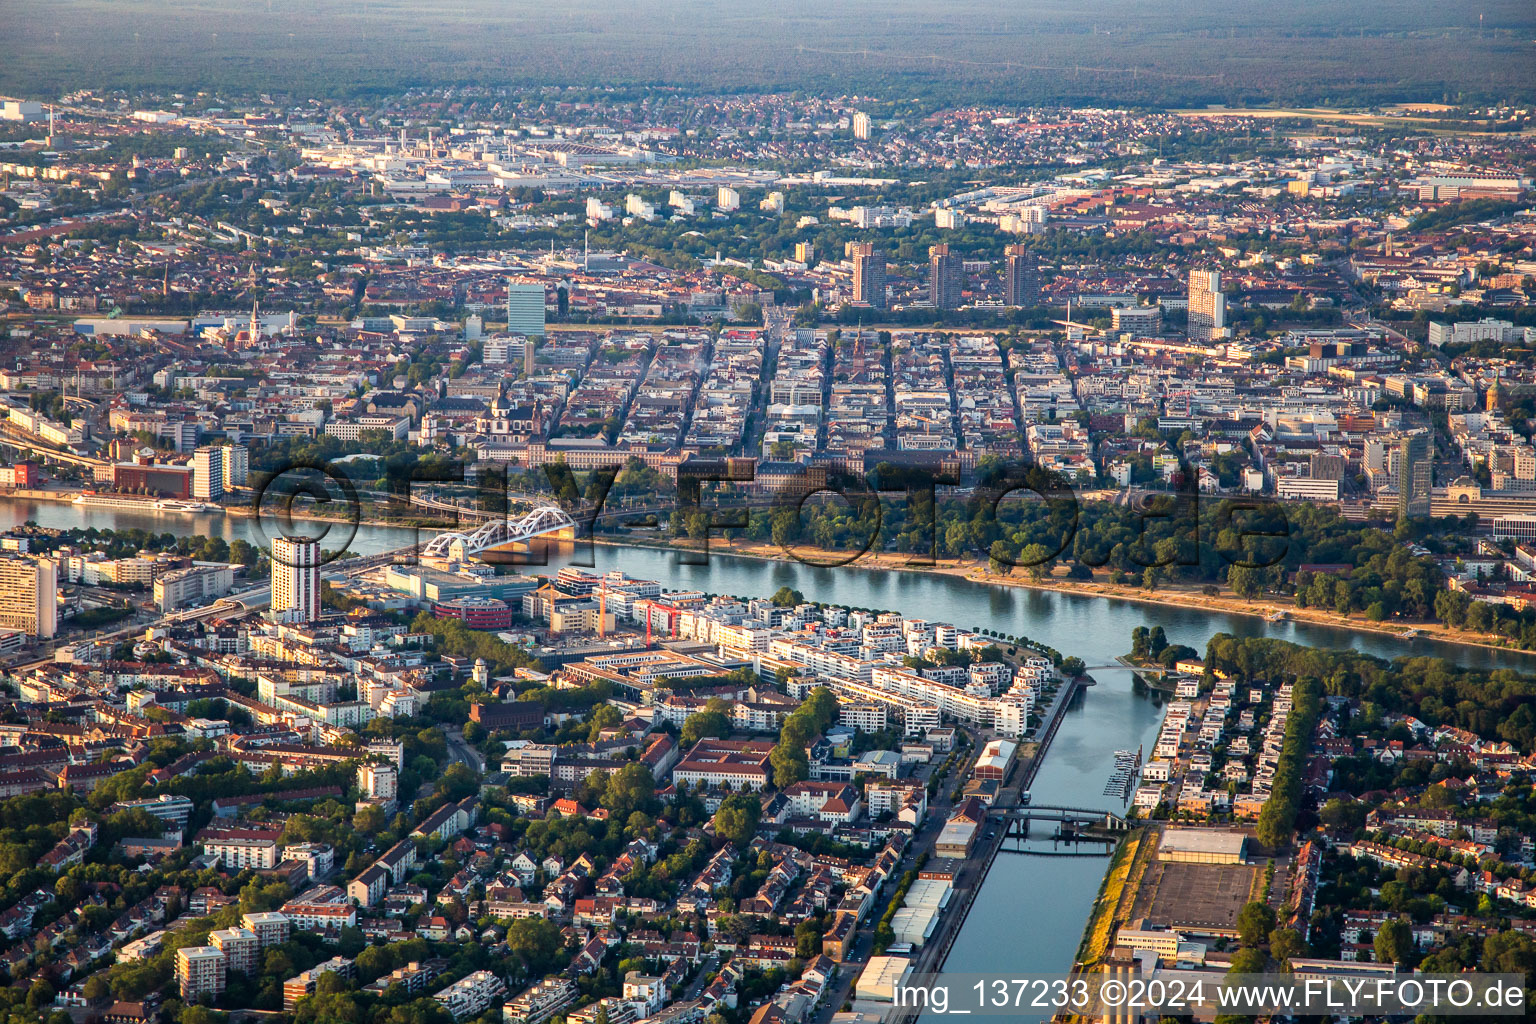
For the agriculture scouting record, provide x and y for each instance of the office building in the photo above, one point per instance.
(946, 277)
(1137, 321)
(1021, 281)
(1207, 305)
(296, 579)
(174, 810)
(29, 594)
(208, 474)
(183, 588)
(525, 309)
(1487, 329)
(868, 275)
(862, 127)
(200, 970)
(1413, 472)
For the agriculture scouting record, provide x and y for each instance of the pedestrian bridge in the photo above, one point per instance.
(541, 522)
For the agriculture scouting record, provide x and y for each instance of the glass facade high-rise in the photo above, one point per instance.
(1415, 473)
(525, 309)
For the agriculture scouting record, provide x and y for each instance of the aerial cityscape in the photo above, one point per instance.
(670, 514)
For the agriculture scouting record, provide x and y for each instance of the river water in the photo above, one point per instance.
(1031, 911)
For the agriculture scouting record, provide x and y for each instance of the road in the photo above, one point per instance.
(463, 752)
(864, 942)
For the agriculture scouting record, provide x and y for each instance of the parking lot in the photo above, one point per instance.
(1198, 897)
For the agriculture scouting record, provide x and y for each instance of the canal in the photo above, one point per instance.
(1031, 911)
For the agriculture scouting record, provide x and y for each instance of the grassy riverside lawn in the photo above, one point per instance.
(1106, 906)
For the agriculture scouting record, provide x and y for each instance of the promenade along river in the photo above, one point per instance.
(1031, 911)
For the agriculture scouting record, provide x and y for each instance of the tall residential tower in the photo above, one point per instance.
(1021, 280)
(1207, 305)
(296, 579)
(868, 275)
(946, 277)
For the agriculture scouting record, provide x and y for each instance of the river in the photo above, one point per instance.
(1031, 911)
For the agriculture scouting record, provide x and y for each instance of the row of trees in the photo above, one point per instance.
(801, 726)
(1277, 821)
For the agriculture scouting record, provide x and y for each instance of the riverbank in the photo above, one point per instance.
(973, 875)
(1169, 595)
(1107, 906)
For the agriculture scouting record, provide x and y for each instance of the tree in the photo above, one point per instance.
(1509, 952)
(1394, 942)
(1247, 961)
(790, 764)
(630, 789)
(603, 718)
(1285, 943)
(736, 820)
(1244, 581)
(822, 707)
(534, 939)
(1254, 923)
(705, 723)
(784, 597)
(369, 819)
(39, 995)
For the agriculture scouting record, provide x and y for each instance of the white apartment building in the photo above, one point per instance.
(378, 781)
(208, 474)
(200, 970)
(269, 927)
(1207, 305)
(471, 995)
(239, 852)
(296, 579)
(239, 946)
(182, 588)
(237, 464)
(29, 596)
(866, 716)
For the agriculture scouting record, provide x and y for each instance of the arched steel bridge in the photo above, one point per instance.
(543, 520)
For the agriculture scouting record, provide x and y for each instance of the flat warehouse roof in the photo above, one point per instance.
(1199, 840)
